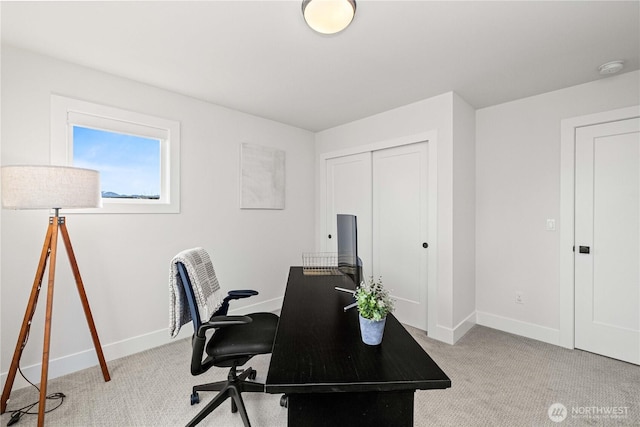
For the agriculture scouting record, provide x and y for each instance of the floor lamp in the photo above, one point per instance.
(49, 187)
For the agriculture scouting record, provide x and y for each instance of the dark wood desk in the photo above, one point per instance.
(330, 376)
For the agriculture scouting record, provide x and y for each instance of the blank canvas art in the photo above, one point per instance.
(262, 177)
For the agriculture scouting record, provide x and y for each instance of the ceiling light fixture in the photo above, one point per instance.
(611, 67)
(328, 16)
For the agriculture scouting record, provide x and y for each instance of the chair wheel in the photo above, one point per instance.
(252, 375)
(284, 401)
(195, 398)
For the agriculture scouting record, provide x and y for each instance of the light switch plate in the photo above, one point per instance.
(551, 224)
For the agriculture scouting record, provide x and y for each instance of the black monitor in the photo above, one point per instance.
(348, 261)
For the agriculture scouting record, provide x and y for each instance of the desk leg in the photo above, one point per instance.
(382, 409)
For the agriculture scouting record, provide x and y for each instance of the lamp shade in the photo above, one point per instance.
(328, 16)
(47, 187)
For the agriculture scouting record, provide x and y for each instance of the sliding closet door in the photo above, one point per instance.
(400, 228)
(348, 191)
(387, 190)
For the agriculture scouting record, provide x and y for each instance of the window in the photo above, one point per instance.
(137, 155)
(129, 165)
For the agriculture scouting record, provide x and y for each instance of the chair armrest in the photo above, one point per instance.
(236, 294)
(241, 293)
(221, 322)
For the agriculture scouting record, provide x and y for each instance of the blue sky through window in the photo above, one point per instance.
(129, 165)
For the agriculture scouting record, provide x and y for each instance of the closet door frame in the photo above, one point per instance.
(430, 138)
(566, 334)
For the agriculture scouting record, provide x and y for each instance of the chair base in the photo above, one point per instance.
(232, 388)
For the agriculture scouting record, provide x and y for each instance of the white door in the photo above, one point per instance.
(348, 191)
(607, 239)
(400, 228)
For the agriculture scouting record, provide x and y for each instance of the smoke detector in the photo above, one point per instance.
(611, 67)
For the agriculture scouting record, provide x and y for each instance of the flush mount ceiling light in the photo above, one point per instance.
(328, 16)
(611, 67)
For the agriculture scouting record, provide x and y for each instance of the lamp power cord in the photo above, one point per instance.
(16, 414)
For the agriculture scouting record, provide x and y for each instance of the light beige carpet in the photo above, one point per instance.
(498, 379)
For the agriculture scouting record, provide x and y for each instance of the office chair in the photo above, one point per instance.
(235, 340)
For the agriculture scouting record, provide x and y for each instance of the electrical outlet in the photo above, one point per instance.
(519, 298)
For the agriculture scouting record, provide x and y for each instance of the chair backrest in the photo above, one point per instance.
(191, 298)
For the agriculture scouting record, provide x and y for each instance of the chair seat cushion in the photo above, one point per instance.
(243, 341)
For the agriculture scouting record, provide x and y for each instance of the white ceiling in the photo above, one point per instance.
(260, 57)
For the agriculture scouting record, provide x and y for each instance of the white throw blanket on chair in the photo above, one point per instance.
(205, 287)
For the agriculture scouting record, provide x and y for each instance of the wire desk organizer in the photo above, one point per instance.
(320, 263)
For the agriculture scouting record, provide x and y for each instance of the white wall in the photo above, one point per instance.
(124, 259)
(464, 215)
(518, 188)
(437, 115)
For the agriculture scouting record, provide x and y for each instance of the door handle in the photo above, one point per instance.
(584, 249)
(425, 245)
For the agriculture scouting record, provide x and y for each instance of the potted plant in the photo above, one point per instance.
(374, 303)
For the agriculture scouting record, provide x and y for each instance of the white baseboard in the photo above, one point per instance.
(463, 327)
(86, 359)
(518, 327)
(441, 333)
(452, 335)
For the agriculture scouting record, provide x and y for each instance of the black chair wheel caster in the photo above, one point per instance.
(195, 398)
(284, 401)
(252, 375)
(234, 407)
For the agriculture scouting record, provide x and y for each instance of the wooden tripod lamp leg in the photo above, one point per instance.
(83, 298)
(47, 327)
(28, 315)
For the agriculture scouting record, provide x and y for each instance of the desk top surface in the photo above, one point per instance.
(318, 346)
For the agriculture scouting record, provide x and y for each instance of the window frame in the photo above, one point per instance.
(68, 112)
